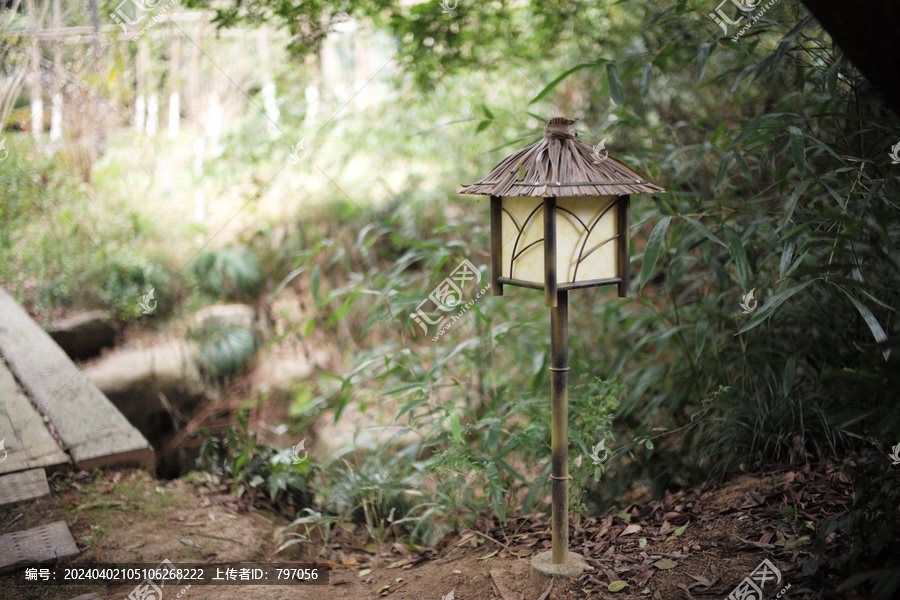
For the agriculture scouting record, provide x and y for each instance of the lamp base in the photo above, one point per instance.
(543, 568)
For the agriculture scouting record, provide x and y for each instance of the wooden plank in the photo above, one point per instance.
(24, 485)
(91, 596)
(26, 438)
(89, 426)
(43, 544)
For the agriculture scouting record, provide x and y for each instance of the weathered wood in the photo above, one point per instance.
(560, 166)
(89, 426)
(26, 438)
(91, 596)
(43, 544)
(24, 485)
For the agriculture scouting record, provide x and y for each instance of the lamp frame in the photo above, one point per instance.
(551, 285)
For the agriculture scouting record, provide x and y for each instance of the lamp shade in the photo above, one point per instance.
(560, 215)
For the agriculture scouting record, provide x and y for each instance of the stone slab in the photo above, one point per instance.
(24, 485)
(543, 568)
(43, 544)
(85, 335)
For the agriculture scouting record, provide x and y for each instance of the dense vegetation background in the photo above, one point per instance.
(775, 154)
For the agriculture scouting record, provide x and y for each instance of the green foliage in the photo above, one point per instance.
(805, 219)
(381, 494)
(433, 43)
(224, 350)
(870, 528)
(95, 540)
(256, 472)
(71, 252)
(592, 409)
(233, 273)
(124, 282)
(313, 517)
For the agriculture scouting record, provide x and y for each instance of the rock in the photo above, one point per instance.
(224, 315)
(156, 388)
(84, 336)
(280, 373)
(133, 378)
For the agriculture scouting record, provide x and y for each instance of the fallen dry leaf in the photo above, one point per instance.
(686, 590)
(504, 590)
(701, 579)
(546, 592)
(642, 577)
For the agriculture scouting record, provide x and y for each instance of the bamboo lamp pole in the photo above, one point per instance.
(559, 425)
(584, 199)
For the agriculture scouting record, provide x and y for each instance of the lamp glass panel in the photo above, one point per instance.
(522, 232)
(586, 227)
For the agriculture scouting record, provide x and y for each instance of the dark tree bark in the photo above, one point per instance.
(867, 31)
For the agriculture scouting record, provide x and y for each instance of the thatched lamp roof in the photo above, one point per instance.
(560, 166)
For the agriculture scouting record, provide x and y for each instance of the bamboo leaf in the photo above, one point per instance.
(740, 258)
(703, 230)
(646, 76)
(654, 244)
(787, 380)
(700, 337)
(744, 74)
(833, 71)
(454, 424)
(794, 230)
(786, 256)
(550, 86)
(316, 280)
(798, 150)
(702, 58)
(874, 326)
(767, 309)
(792, 202)
(616, 89)
(723, 169)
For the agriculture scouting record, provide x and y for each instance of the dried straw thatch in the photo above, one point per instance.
(560, 166)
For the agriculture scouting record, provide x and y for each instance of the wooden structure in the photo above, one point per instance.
(51, 415)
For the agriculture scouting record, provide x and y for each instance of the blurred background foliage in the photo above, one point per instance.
(773, 150)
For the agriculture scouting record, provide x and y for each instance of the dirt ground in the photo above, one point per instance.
(690, 545)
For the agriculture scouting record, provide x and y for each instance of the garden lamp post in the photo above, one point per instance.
(560, 221)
